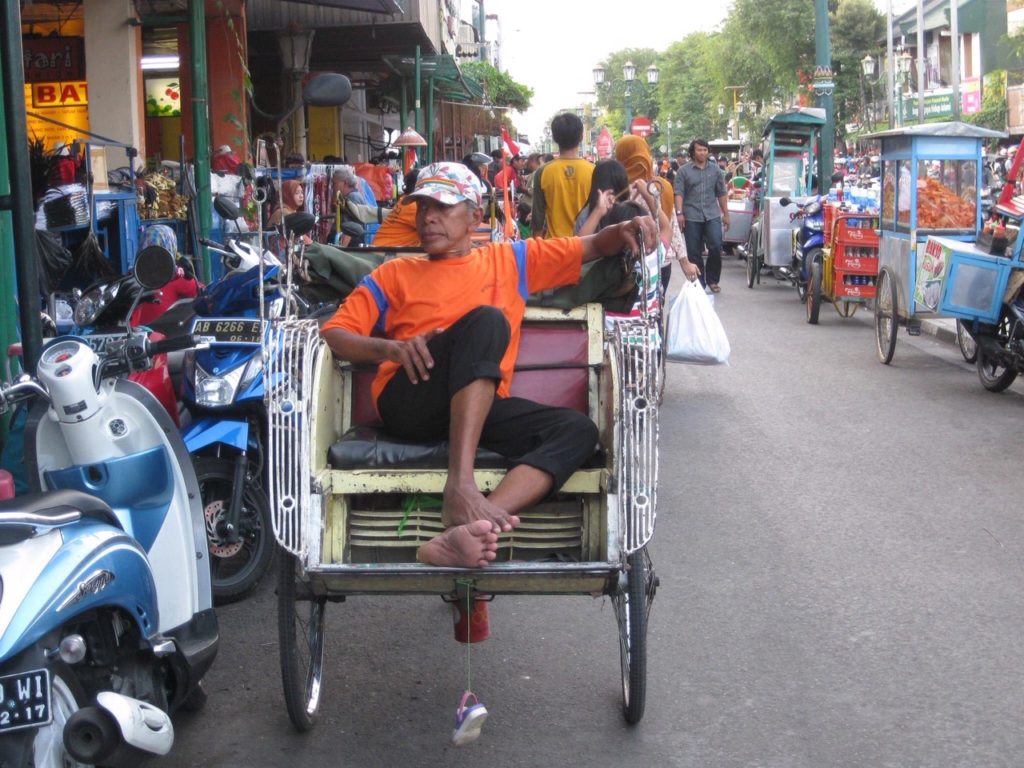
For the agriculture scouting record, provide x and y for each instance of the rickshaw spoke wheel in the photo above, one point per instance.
(632, 608)
(300, 624)
(847, 308)
(968, 346)
(886, 315)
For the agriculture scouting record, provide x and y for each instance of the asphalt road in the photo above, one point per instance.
(840, 549)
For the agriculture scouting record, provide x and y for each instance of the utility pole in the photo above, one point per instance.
(823, 87)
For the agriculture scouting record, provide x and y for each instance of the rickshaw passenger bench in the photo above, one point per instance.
(385, 491)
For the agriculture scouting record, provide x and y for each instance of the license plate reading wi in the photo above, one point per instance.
(228, 331)
(25, 700)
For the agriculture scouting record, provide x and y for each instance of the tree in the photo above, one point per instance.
(500, 88)
(687, 90)
(856, 28)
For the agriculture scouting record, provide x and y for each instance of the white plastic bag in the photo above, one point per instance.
(695, 334)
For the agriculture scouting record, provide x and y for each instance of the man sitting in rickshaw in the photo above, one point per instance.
(445, 335)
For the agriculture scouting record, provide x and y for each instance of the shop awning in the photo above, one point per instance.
(171, 7)
(449, 82)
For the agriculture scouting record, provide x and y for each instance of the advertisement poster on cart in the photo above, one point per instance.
(931, 274)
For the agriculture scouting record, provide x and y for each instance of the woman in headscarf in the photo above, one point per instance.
(293, 198)
(635, 155)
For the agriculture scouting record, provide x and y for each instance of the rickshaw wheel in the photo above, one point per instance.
(814, 293)
(632, 607)
(886, 315)
(968, 346)
(300, 625)
(847, 308)
(753, 264)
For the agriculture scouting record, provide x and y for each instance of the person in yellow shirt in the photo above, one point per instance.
(561, 187)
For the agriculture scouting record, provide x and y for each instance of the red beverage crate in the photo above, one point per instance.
(830, 215)
(848, 259)
(842, 290)
(857, 230)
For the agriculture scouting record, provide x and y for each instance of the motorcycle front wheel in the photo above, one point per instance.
(236, 567)
(66, 697)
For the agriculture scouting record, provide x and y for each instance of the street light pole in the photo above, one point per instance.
(629, 75)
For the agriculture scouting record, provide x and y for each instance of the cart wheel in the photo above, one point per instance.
(968, 346)
(847, 308)
(995, 377)
(753, 265)
(300, 625)
(814, 292)
(887, 314)
(632, 608)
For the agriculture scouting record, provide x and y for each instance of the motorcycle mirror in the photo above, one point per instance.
(300, 223)
(225, 208)
(327, 89)
(154, 267)
(785, 201)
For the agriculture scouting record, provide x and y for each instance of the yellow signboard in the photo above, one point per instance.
(66, 102)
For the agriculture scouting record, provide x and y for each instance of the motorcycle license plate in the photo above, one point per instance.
(25, 700)
(227, 330)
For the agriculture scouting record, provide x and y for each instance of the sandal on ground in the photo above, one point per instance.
(468, 720)
(714, 287)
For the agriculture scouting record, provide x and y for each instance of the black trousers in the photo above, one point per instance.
(554, 440)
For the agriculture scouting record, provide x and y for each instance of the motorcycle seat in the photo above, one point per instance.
(55, 503)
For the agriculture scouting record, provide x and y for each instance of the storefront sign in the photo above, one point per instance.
(449, 26)
(937, 106)
(66, 94)
(53, 58)
(970, 90)
(66, 102)
(604, 144)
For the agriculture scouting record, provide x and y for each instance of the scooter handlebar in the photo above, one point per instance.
(175, 344)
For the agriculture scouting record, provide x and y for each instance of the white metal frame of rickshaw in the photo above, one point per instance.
(791, 140)
(337, 527)
(906, 153)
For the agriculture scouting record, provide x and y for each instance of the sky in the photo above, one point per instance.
(553, 45)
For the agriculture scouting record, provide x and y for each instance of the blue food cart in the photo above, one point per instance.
(929, 262)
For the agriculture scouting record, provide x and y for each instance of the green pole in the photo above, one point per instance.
(201, 126)
(823, 76)
(16, 189)
(418, 124)
(430, 120)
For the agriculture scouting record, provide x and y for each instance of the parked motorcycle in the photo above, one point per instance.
(808, 242)
(106, 620)
(222, 387)
(1000, 347)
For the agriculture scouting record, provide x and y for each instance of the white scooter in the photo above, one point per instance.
(106, 618)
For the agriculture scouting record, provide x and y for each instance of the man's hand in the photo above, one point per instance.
(413, 355)
(637, 228)
(725, 221)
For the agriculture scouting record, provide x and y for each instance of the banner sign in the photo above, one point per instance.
(53, 58)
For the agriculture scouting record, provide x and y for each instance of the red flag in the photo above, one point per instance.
(511, 148)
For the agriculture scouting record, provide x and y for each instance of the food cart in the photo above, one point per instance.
(742, 203)
(846, 274)
(790, 150)
(930, 216)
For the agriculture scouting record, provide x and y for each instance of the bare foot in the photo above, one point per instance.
(465, 504)
(472, 545)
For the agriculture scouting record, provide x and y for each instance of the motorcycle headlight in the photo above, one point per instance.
(217, 391)
(89, 307)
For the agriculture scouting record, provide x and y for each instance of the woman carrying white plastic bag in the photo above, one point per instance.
(695, 334)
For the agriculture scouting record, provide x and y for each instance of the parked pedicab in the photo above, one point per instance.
(790, 149)
(930, 216)
(845, 273)
(742, 203)
(351, 505)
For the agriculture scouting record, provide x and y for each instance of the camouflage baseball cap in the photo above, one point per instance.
(449, 183)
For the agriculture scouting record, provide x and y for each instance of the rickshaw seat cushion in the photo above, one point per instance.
(369, 447)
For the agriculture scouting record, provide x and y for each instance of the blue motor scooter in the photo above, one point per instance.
(222, 388)
(106, 621)
(808, 241)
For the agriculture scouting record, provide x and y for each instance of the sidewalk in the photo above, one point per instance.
(943, 329)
